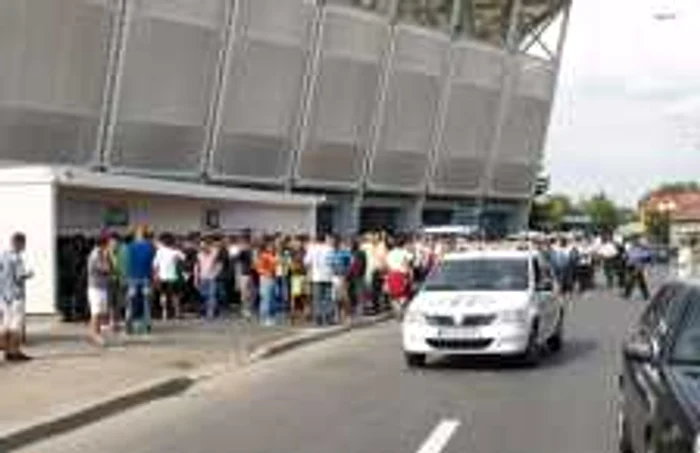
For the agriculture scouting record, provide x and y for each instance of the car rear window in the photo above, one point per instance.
(483, 274)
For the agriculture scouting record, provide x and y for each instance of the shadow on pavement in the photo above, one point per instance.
(575, 349)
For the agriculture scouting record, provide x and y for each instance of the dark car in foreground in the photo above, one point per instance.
(659, 408)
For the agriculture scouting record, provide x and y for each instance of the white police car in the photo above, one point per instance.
(485, 302)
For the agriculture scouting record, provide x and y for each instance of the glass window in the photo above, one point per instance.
(654, 315)
(687, 345)
(498, 274)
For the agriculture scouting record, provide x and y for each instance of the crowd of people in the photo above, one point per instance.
(123, 280)
(576, 261)
(120, 282)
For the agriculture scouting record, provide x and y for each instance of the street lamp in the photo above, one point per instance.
(667, 208)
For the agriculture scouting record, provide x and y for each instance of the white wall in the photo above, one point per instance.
(29, 208)
(82, 210)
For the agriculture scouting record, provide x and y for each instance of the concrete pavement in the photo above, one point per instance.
(354, 394)
(71, 383)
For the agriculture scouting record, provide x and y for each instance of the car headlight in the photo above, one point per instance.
(519, 316)
(696, 444)
(414, 317)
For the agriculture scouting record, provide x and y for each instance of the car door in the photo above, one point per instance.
(642, 379)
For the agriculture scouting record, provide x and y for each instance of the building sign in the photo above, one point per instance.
(116, 216)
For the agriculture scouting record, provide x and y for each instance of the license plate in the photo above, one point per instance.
(459, 334)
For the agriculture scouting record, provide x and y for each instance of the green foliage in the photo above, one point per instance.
(603, 212)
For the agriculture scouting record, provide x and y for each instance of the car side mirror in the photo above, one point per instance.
(640, 351)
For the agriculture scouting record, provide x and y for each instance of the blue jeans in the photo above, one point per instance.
(322, 294)
(208, 291)
(138, 301)
(267, 297)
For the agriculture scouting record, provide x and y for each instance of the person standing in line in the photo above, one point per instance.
(340, 264)
(266, 266)
(206, 276)
(117, 282)
(140, 277)
(99, 271)
(299, 293)
(356, 278)
(399, 277)
(246, 285)
(13, 278)
(167, 264)
(318, 260)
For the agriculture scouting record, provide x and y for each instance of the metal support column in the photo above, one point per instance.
(508, 80)
(217, 100)
(113, 83)
(561, 41)
(379, 119)
(310, 83)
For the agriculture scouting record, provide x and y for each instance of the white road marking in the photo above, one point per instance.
(440, 436)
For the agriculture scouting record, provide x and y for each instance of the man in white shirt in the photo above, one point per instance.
(608, 253)
(318, 260)
(166, 266)
(13, 277)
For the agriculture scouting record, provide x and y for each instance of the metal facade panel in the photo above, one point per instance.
(170, 62)
(411, 107)
(343, 98)
(524, 128)
(512, 178)
(53, 60)
(263, 90)
(471, 117)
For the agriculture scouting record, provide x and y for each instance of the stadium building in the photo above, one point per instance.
(271, 114)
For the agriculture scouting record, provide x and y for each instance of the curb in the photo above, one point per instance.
(302, 339)
(72, 419)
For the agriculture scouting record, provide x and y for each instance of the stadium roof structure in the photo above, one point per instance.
(490, 20)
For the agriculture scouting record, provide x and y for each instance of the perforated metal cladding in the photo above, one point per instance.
(53, 59)
(344, 98)
(169, 73)
(514, 178)
(471, 117)
(524, 129)
(459, 174)
(263, 90)
(412, 99)
(470, 125)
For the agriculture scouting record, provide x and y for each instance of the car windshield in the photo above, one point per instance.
(687, 345)
(501, 274)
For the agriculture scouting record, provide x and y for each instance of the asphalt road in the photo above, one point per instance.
(354, 394)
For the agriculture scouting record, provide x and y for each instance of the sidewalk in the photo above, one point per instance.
(69, 375)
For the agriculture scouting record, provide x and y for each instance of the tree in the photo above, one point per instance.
(549, 212)
(603, 212)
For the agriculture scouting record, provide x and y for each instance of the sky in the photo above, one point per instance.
(627, 110)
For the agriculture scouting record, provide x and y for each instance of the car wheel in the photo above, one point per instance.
(414, 360)
(623, 436)
(555, 343)
(531, 356)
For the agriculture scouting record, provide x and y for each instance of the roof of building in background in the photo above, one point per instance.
(682, 206)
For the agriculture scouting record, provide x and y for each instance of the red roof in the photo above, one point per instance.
(683, 206)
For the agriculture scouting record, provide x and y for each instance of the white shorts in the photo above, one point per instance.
(11, 316)
(98, 300)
